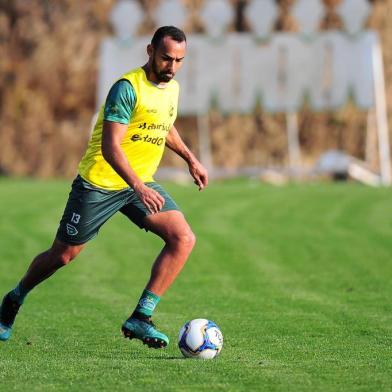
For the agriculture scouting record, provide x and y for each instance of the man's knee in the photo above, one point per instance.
(184, 238)
(172, 227)
(65, 253)
(66, 257)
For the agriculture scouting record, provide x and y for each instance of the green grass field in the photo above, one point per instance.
(297, 277)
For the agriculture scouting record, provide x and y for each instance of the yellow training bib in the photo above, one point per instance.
(143, 144)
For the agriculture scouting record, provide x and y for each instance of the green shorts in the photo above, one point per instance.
(89, 207)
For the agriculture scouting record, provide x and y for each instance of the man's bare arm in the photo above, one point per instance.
(196, 169)
(112, 135)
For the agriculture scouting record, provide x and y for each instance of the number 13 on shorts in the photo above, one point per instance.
(75, 218)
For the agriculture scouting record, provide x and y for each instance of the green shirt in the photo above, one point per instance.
(120, 102)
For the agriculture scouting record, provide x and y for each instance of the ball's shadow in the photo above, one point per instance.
(171, 358)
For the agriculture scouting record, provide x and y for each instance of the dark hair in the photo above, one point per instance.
(164, 31)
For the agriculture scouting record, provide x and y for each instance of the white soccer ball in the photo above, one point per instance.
(200, 338)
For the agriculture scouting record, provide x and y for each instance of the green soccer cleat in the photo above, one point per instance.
(5, 332)
(8, 312)
(145, 331)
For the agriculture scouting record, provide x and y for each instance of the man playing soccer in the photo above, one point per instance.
(116, 174)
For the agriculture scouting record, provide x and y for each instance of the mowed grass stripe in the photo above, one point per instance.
(297, 277)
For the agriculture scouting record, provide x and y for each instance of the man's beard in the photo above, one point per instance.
(162, 76)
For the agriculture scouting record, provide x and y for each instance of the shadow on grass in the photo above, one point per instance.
(172, 358)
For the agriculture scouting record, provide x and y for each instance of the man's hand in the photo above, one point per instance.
(199, 174)
(149, 197)
(197, 170)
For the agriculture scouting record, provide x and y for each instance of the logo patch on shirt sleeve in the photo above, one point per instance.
(171, 110)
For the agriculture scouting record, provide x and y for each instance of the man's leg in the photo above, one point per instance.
(41, 268)
(179, 239)
(47, 263)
